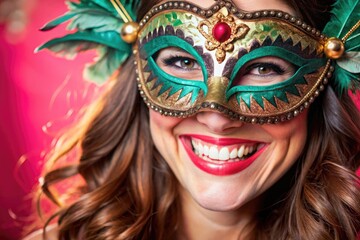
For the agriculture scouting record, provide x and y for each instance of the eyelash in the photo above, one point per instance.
(170, 61)
(276, 68)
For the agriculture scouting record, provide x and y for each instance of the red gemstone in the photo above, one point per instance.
(221, 31)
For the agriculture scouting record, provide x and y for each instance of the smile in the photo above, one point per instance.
(227, 153)
(221, 156)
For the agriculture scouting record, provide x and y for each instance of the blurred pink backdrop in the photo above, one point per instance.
(38, 95)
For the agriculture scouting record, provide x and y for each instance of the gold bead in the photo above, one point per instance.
(129, 32)
(334, 48)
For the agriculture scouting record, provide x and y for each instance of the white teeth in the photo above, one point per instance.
(206, 150)
(241, 151)
(194, 144)
(251, 149)
(233, 153)
(214, 153)
(224, 154)
(246, 151)
(200, 149)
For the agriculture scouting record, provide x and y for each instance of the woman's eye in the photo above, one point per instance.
(187, 63)
(183, 63)
(179, 63)
(264, 69)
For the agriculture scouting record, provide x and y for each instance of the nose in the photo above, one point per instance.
(217, 122)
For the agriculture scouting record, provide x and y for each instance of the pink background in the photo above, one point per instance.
(38, 95)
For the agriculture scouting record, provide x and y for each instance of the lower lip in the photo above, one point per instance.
(221, 168)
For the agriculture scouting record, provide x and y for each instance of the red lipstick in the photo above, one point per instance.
(219, 168)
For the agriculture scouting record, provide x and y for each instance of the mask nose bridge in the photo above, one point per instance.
(217, 86)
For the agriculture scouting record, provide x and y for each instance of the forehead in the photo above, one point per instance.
(253, 5)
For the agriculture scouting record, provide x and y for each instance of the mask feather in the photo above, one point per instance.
(346, 15)
(94, 24)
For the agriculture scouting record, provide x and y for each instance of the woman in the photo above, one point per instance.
(243, 139)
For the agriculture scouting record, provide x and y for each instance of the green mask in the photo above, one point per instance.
(264, 66)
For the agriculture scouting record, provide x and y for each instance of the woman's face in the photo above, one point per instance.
(222, 164)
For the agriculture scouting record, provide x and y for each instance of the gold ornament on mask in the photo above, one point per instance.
(220, 31)
(130, 28)
(334, 48)
(129, 32)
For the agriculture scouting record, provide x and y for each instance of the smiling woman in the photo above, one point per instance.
(225, 121)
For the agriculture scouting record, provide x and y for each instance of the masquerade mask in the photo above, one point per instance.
(261, 67)
(264, 66)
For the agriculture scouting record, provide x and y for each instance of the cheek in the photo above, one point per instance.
(294, 130)
(288, 143)
(162, 132)
(165, 139)
(160, 122)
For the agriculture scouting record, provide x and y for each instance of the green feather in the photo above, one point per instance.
(95, 20)
(353, 42)
(345, 14)
(110, 39)
(95, 24)
(106, 64)
(76, 10)
(350, 62)
(106, 5)
(130, 6)
(344, 80)
(64, 18)
(70, 49)
(109, 59)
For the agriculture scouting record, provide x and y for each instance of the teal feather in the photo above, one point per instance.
(350, 62)
(95, 24)
(353, 43)
(56, 22)
(76, 10)
(110, 39)
(345, 80)
(108, 62)
(95, 20)
(110, 59)
(69, 49)
(345, 14)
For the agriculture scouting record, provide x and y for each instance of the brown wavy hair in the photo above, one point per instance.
(128, 191)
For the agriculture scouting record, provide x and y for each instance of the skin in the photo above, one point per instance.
(223, 207)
